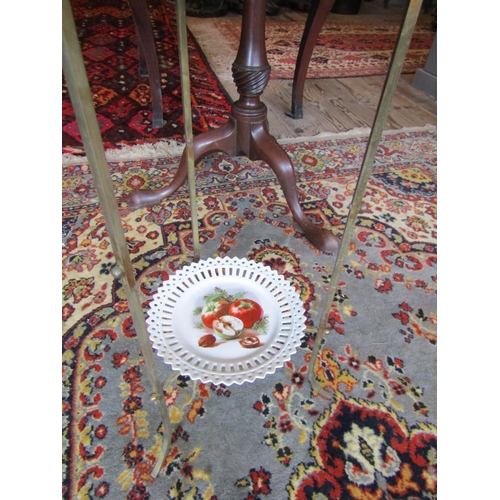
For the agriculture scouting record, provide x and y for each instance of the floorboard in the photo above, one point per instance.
(337, 105)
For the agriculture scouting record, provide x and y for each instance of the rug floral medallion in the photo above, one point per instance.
(375, 438)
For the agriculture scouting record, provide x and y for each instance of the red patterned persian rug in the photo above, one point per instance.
(109, 46)
(343, 49)
(275, 438)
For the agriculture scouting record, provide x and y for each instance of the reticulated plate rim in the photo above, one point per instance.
(175, 336)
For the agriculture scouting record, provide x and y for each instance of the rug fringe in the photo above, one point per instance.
(173, 148)
(158, 149)
(355, 132)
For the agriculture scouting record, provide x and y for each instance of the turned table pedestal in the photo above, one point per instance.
(246, 133)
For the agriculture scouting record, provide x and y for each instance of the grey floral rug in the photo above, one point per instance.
(275, 438)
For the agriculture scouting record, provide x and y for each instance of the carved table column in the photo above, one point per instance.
(246, 132)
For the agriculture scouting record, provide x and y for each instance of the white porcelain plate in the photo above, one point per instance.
(265, 334)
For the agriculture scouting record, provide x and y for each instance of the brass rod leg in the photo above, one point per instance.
(81, 98)
(166, 428)
(383, 109)
(188, 120)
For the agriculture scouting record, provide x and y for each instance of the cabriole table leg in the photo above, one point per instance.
(315, 19)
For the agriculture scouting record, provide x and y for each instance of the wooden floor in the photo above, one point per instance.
(339, 104)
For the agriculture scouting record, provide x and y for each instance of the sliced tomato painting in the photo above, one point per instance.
(230, 317)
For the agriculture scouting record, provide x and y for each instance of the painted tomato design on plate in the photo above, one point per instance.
(227, 316)
(247, 310)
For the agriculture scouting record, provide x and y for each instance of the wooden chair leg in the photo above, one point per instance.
(143, 68)
(315, 20)
(148, 59)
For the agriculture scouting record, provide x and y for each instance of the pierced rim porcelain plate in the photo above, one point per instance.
(226, 321)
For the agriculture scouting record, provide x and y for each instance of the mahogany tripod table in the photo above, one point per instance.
(246, 133)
